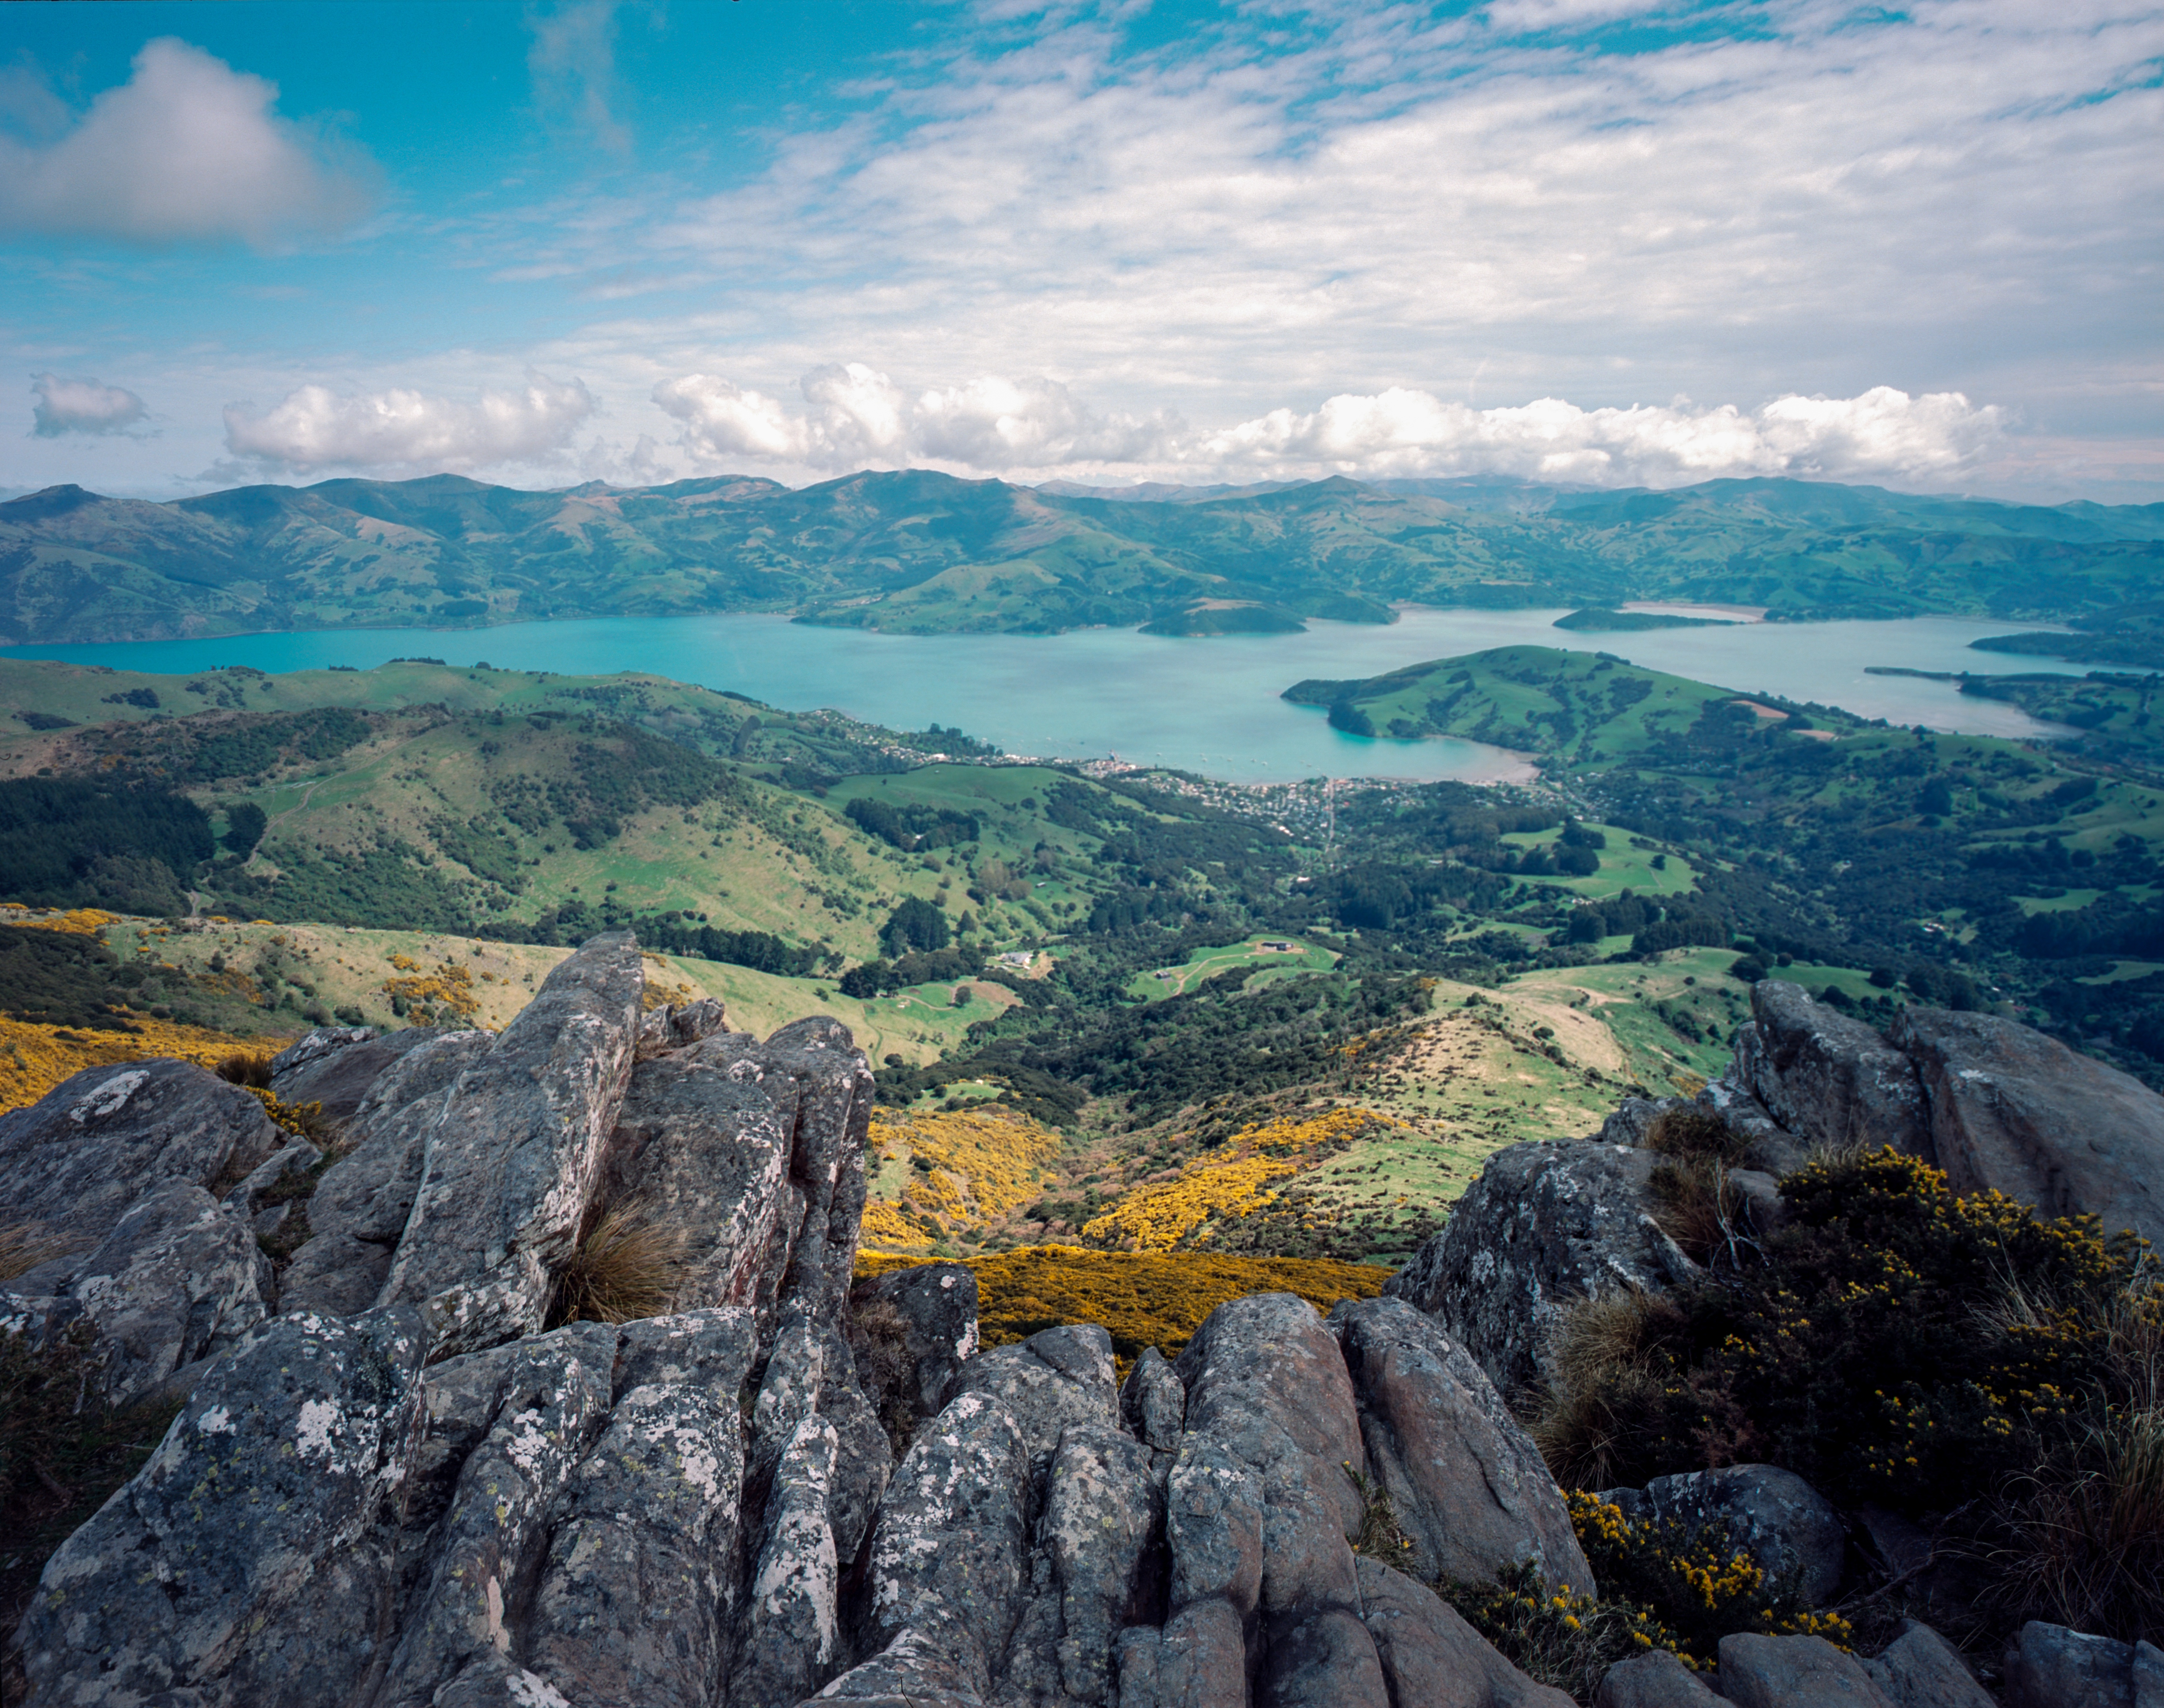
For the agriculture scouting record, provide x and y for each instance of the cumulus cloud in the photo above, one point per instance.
(853, 415)
(1883, 433)
(188, 150)
(81, 407)
(315, 427)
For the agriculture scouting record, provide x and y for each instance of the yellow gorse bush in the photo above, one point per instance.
(1233, 1180)
(979, 1165)
(34, 1058)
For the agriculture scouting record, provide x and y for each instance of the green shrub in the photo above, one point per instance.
(1860, 1353)
(1556, 1637)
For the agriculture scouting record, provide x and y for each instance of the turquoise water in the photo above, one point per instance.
(1208, 705)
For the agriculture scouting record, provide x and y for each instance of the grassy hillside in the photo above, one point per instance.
(1583, 709)
(921, 552)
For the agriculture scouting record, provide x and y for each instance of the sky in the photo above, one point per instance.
(1597, 242)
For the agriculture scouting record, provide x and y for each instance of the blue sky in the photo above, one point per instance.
(1589, 240)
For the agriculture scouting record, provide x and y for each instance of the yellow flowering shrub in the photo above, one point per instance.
(1141, 1299)
(967, 1167)
(1232, 1180)
(447, 994)
(34, 1058)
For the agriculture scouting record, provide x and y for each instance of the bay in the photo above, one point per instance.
(1209, 705)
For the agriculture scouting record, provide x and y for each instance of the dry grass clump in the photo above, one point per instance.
(1688, 1131)
(1605, 1372)
(1703, 1211)
(23, 1245)
(628, 1265)
(243, 1067)
(2083, 1534)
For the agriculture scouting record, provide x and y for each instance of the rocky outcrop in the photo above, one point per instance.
(1787, 1526)
(387, 1486)
(917, 1326)
(508, 1168)
(336, 1067)
(1467, 1485)
(1826, 1078)
(1546, 1223)
(2014, 1111)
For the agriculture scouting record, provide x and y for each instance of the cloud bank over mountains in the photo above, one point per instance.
(852, 416)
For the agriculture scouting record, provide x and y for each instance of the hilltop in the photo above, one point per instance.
(916, 552)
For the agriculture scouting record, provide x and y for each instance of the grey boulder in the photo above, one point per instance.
(926, 1320)
(1547, 1222)
(510, 1162)
(1828, 1079)
(1654, 1679)
(1431, 1657)
(1758, 1671)
(2015, 1112)
(1920, 1669)
(77, 1160)
(336, 1066)
(1467, 1484)
(1784, 1524)
(2048, 1666)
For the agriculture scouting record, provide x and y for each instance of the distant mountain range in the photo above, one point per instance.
(917, 552)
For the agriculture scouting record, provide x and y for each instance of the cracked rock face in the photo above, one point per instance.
(1826, 1078)
(1546, 1223)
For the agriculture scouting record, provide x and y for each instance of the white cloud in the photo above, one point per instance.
(188, 150)
(1882, 434)
(81, 407)
(854, 415)
(573, 63)
(315, 427)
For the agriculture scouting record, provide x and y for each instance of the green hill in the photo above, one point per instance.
(1588, 709)
(917, 552)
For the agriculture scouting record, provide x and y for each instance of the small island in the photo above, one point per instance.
(1599, 619)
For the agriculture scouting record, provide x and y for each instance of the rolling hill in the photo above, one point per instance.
(917, 552)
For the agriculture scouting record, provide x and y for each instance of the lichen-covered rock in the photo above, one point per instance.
(537, 1406)
(935, 1305)
(511, 1161)
(336, 1066)
(1547, 1222)
(700, 1146)
(1431, 1657)
(278, 1463)
(1920, 1669)
(1268, 1391)
(668, 1027)
(359, 1210)
(179, 1279)
(1154, 1402)
(1632, 1119)
(1785, 1525)
(1826, 1078)
(1467, 1484)
(630, 1607)
(76, 1161)
(959, 1557)
(1762, 1143)
(791, 1616)
(1758, 1671)
(2015, 1112)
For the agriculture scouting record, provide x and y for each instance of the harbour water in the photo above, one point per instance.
(1209, 706)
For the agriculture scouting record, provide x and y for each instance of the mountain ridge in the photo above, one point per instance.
(917, 551)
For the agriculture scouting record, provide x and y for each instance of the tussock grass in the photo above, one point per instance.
(628, 1265)
(2083, 1538)
(1703, 1211)
(23, 1245)
(1603, 1379)
(247, 1068)
(1688, 1132)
